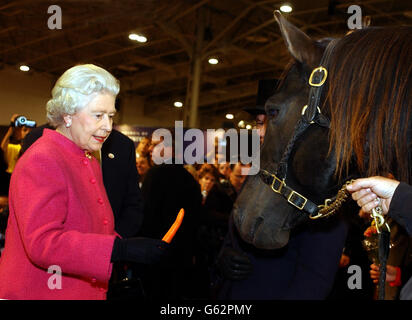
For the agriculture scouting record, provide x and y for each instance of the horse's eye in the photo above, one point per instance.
(273, 113)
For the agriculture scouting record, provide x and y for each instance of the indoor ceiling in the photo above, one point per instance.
(242, 34)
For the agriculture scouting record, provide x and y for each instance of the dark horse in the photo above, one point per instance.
(367, 97)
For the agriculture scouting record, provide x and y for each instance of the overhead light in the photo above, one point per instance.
(142, 39)
(229, 116)
(24, 68)
(178, 104)
(137, 37)
(241, 124)
(248, 127)
(133, 36)
(213, 61)
(286, 8)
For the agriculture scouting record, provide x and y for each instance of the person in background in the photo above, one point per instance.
(208, 176)
(266, 88)
(143, 165)
(60, 215)
(168, 188)
(4, 175)
(224, 170)
(152, 146)
(12, 140)
(238, 176)
(233, 186)
(396, 275)
(4, 188)
(142, 149)
(214, 218)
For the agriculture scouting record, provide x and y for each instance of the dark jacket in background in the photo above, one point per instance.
(120, 178)
(168, 188)
(214, 219)
(4, 176)
(400, 209)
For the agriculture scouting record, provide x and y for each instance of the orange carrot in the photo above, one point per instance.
(175, 226)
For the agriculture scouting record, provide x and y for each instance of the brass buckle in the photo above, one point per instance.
(304, 110)
(281, 183)
(291, 195)
(318, 69)
(379, 219)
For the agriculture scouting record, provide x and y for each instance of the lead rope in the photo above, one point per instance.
(331, 206)
(384, 233)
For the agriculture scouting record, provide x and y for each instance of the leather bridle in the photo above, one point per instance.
(311, 115)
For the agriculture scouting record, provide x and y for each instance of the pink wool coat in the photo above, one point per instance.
(59, 216)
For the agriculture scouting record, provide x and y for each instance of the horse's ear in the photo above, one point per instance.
(300, 46)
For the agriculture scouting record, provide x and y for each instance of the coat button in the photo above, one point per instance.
(92, 180)
(105, 221)
(94, 280)
(85, 162)
(100, 200)
(101, 289)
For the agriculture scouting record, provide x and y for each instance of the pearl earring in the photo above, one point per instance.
(68, 124)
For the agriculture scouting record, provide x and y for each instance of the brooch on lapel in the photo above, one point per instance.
(111, 155)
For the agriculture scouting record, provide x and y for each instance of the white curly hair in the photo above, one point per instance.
(75, 88)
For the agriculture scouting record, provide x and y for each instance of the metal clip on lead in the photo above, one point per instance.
(377, 215)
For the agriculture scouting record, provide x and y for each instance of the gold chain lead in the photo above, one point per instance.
(329, 208)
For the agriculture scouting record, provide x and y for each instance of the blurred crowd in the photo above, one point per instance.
(208, 191)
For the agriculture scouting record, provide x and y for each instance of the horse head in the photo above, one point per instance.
(369, 103)
(266, 221)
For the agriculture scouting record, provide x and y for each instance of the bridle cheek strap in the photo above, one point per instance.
(311, 114)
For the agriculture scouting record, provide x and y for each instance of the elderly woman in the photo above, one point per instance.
(60, 218)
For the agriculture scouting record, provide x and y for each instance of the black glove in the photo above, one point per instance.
(139, 250)
(233, 264)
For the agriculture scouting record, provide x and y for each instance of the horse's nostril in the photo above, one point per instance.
(258, 222)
